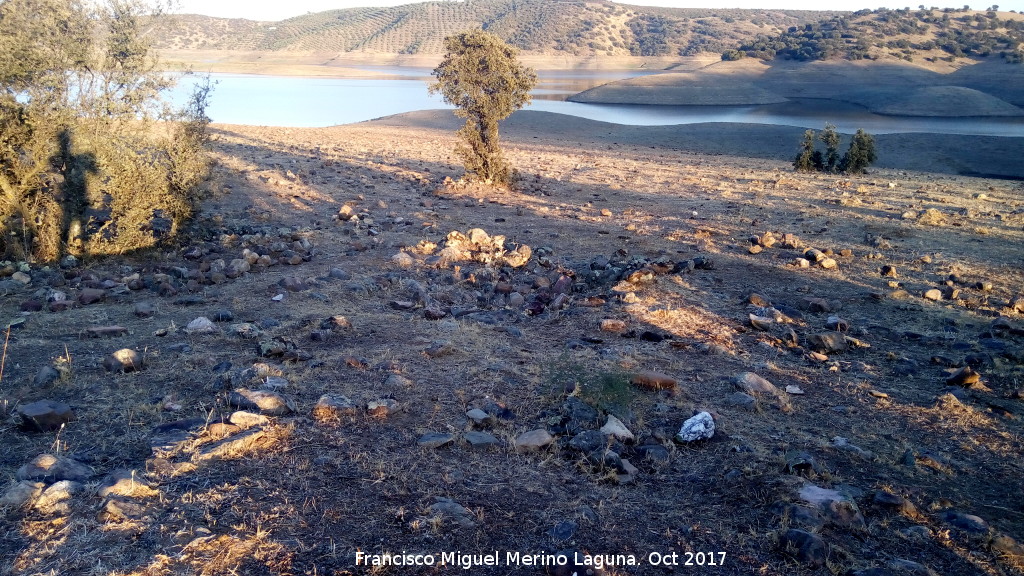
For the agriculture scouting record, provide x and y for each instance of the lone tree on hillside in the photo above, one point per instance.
(860, 154)
(481, 76)
(91, 158)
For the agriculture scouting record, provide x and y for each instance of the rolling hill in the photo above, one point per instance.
(571, 27)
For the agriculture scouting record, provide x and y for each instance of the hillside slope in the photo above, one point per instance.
(578, 28)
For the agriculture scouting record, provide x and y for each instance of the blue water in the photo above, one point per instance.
(317, 102)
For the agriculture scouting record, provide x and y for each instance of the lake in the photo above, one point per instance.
(293, 101)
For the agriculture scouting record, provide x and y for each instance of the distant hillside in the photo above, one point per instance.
(929, 35)
(573, 27)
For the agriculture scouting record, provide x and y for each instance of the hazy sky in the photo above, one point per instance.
(279, 10)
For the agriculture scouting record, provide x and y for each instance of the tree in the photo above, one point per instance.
(804, 161)
(830, 137)
(91, 158)
(860, 155)
(481, 76)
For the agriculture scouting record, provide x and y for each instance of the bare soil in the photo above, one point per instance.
(304, 496)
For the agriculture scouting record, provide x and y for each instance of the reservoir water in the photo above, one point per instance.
(293, 101)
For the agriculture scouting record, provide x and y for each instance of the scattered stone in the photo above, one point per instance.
(54, 500)
(794, 390)
(804, 546)
(614, 326)
(650, 380)
(451, 510)
(265, 401)
(533, 440)
(889, 500)
(828, 342)
(124, 360)
(45, 415)
(245, 420)
(435, 440)
(403, 260)
(479, 439)
(844, 444)
(965, 377)
(933, 294)
(968, 523)
(741, 400)
(119, 509)
(21, 494)
(91, 296)
(699, 427)
(102, 331)
(614, 427)
(168, 439)
(241, 444)
(332, 407)
(480, 418)
(382, 408)
(50, 468)
(756, 386)
(293, 284)
(201, 325)
(45, 376)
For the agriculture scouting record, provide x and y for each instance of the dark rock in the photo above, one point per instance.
(741, 400)
(827, 342)
(804, 546)
(564, 530)
(478, 439)
(435, 440)
(965, 377)
(144, 310)
(167, 440)
(293, 284)
(589, 441)
(45, 415)
(91, 296)
(45, 376)
(968, 523)
(653, 452)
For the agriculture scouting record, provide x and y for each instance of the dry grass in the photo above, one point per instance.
(304, 501)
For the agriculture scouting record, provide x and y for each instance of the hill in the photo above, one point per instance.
(928, 34)
(577, 28)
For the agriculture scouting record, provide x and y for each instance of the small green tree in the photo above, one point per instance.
(830, 137)
(804, 161)
(481, 76)
(860, 155)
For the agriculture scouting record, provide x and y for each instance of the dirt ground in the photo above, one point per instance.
(865, 456)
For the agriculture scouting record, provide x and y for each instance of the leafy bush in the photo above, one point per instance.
(91, 158)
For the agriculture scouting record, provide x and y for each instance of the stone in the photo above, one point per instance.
(245, 420)
(804, 546)
(965, 377)
(933, 294)
(887, 499)
(479, 417)
(383, 407)
(91, 296)
(50, 468)
(54, 500)
(267, 402)
(477, 439)
(242, 444)
(45, 415)
(700, 427)
(451, 510)
(293, 284)
(827, 342)
(435, 440)
(968, 523)
(533, 440)
(21, 494)
(124, 360)
(613, 326)
(331, 407)
(650, 380)
(105, 331)
(615, 428)
(589, 441)
(755, 385)
(128, 483)
(168, 439)
(403, 260)
(741, 400)
(119, 509)
(201, 325)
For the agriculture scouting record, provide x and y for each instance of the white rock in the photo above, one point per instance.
(615, 427)
(403, 260)
(201, 325)
(796, 390)
(21, 494)
(700, 427)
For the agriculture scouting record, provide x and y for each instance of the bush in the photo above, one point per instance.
(481, 76)
(91, 158)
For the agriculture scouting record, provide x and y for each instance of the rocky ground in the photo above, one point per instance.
(641, 350)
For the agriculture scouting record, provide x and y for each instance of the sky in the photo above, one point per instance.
(279, 10)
